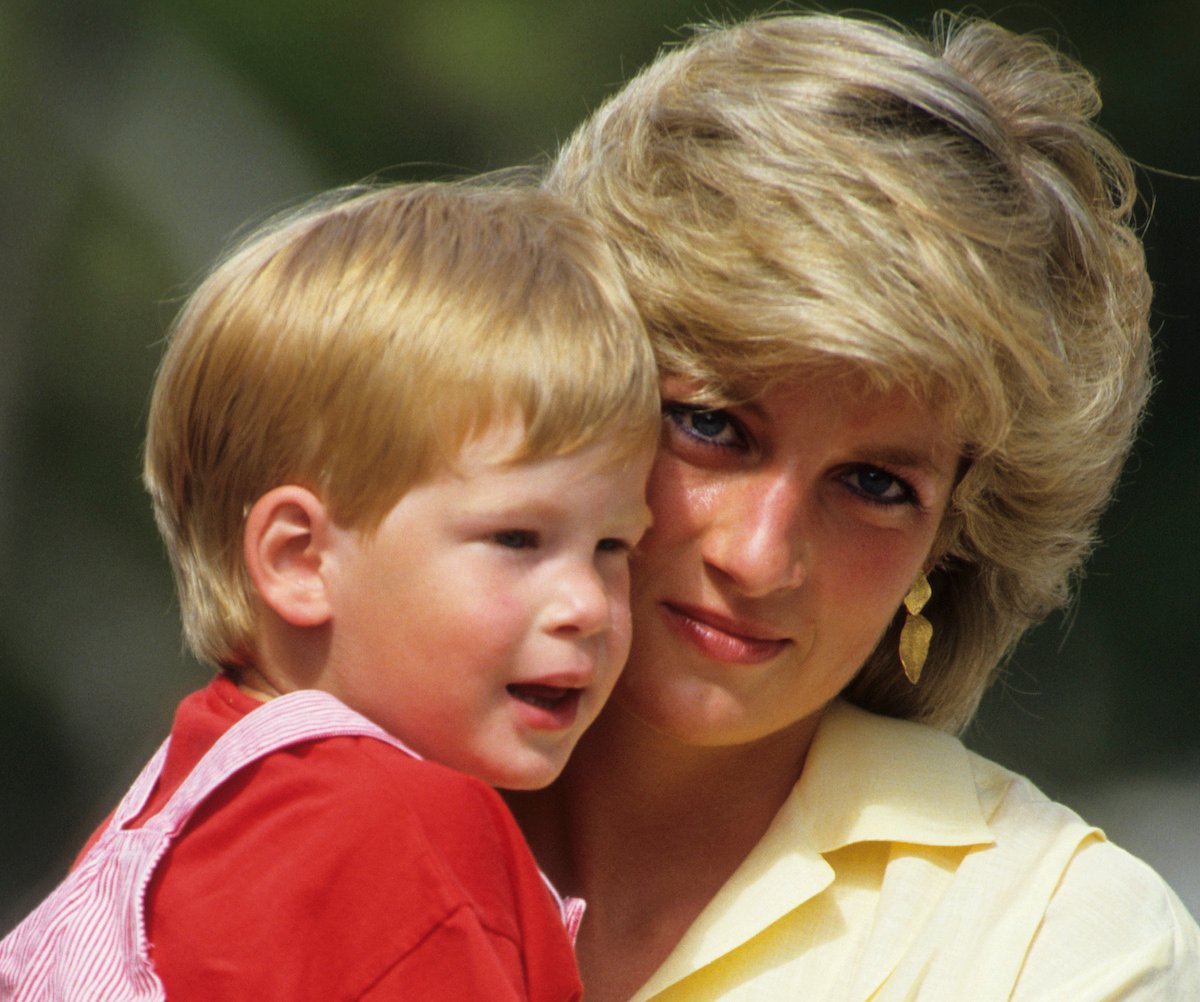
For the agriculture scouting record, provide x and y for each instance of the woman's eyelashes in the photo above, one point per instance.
(705, 426)
(880, 487)
(717, 429)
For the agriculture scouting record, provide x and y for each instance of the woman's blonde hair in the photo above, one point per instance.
(355, 345)
(806, 190)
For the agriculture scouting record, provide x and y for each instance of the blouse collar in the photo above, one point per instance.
(866, 779)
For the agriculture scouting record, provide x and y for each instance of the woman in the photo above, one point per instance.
(902, 317)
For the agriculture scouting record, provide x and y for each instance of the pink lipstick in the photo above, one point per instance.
(721, 638)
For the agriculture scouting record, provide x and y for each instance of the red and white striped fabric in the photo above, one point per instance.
(87, 941)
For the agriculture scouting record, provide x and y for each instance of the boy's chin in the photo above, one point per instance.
(530, 776)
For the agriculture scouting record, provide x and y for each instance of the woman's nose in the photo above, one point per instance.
(757, 536)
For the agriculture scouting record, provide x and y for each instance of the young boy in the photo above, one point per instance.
(397, 450)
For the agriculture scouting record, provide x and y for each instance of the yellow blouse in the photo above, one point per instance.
(904, 867)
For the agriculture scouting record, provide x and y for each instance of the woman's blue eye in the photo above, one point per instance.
(710, 424)
(712, 427)
(515, 539)
(880, 486)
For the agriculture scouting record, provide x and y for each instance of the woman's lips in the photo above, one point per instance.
(721, 638)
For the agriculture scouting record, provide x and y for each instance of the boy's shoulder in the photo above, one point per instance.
(359, 820)
(349, 793)
(360, 851)
(348, 775)
(363, 776)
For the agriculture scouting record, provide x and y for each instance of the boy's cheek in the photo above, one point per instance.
(622, 630)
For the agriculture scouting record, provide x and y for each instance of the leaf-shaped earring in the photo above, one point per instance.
(917, 630)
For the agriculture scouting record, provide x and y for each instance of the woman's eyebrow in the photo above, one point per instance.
(897, 455)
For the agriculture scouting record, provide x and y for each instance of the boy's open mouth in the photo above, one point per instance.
(545, 697)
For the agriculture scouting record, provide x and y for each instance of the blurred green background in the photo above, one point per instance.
(137, 136)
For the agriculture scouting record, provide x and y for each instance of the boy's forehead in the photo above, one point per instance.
(499, 443)
(504, 458)
(504, 444)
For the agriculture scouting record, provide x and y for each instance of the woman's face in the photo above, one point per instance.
(786, 534)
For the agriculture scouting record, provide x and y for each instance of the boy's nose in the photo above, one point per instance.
(581, 605)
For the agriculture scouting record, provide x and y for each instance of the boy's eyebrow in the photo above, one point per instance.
(502, 507)
(549, 508)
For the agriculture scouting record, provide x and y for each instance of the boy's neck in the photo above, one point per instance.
(252, 682)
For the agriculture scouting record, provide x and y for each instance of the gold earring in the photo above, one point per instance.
(917, 630)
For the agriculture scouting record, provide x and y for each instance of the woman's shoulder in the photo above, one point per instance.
(1013, 804)
(1025, 822)
(1107, 920)
(1113, 923)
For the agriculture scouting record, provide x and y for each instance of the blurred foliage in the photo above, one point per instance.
(137, 136)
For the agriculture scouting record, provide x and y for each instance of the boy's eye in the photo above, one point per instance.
(515, 539)
(612, 546)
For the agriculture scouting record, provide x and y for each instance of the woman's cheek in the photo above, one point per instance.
(679, 495)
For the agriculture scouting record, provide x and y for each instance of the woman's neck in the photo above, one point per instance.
(647, 829)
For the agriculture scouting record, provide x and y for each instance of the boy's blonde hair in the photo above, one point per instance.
(810, 191)
(354, 346)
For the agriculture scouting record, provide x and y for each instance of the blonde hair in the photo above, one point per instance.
(807, 190)
(354, 346)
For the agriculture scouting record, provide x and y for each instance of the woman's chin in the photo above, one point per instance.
(691, 713)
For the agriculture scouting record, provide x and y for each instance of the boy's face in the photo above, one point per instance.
(486, 621)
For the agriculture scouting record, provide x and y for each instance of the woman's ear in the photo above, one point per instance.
(284, 546)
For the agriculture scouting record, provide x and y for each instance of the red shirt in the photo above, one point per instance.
(344, 869)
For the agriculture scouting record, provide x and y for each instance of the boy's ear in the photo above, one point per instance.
(284, 546)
